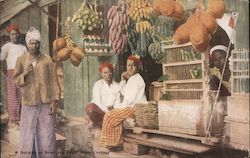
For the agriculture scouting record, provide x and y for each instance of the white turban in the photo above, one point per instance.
(218, 47)
(32, 34)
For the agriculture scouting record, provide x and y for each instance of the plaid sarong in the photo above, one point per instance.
(14, 98)
(112, 126)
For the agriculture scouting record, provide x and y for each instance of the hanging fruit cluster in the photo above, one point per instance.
(118, 23)
(200, 26)
(161, 31)
(65, 48)
(87, 17)
(170, 8)
(140, 11)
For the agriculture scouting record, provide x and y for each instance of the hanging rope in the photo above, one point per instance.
(235, 15)
(57, 33)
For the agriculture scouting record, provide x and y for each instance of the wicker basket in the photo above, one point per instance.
(146, 115)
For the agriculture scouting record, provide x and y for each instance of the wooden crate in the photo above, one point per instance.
(183, 83)
(155, 91)
(189, 117)
(240, 71)
(238, 133)
(238, 107)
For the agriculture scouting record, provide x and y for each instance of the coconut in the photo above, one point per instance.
(78, 52)
(209, 22)
(63, 54)
(216, 8)
(74, 60)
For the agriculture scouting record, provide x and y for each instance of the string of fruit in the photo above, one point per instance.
(201, 25)
(170, 8)
(65, 48)
(140, 11)
(118, 23)
(87, 17)
(161, 31)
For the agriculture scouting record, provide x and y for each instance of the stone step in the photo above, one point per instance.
(123, 154)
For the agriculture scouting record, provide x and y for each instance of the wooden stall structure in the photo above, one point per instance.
(238, 110)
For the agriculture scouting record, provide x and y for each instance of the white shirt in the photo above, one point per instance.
(10, 52)
(105, 95)
(133, 91)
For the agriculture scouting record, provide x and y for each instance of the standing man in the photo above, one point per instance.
(9, 54)
(35, 74)
(105, 95)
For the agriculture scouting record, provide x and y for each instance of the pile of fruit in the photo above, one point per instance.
(200, 26)
(87, 18)
(65, 48)
(169, 8)
(140, 11)
(118, 23)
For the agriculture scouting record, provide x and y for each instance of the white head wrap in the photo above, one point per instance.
(32, 34)
(218, 47)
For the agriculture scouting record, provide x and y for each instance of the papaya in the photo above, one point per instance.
(182, 33)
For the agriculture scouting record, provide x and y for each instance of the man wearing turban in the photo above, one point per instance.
(218, 59)
(133, 91)
(9, 54)
(105, 95)
(35, 74)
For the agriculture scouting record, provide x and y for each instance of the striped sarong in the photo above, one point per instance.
(37, 128)
(14, 98)
(112, 126)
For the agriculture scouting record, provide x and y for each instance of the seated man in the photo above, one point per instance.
(133, 89)
(218, 56)
(105, 95)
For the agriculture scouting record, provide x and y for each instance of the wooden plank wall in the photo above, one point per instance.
(78, 81)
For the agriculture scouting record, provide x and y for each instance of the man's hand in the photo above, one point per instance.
(125, 76)
(53, 107)
(28, 69)
(110, 108)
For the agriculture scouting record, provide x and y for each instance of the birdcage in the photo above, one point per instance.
(239, 66)
(187, 72)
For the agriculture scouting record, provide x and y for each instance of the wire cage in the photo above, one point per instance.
(240, 71)
(187, 72)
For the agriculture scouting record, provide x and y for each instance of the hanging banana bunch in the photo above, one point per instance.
(140, 11)
(118, 24)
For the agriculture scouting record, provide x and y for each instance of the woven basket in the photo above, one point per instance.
(146, 115)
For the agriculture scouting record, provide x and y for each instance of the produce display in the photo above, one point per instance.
(65, 48)
(87, 17)
(200, 26)
(169, 8)
(140, 11)
(118, 23)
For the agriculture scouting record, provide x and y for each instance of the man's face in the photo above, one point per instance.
(132, 67)
(218, 58)
(33, 46)
(14, 35)
(107, 74)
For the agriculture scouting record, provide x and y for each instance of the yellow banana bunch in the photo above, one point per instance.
(143, 26)
(67, 36)
(139, 9)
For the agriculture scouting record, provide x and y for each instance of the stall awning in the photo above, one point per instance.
(10, 8)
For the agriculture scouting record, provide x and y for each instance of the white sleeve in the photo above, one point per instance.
(97, 97)
(122, 85)
(4, 52)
